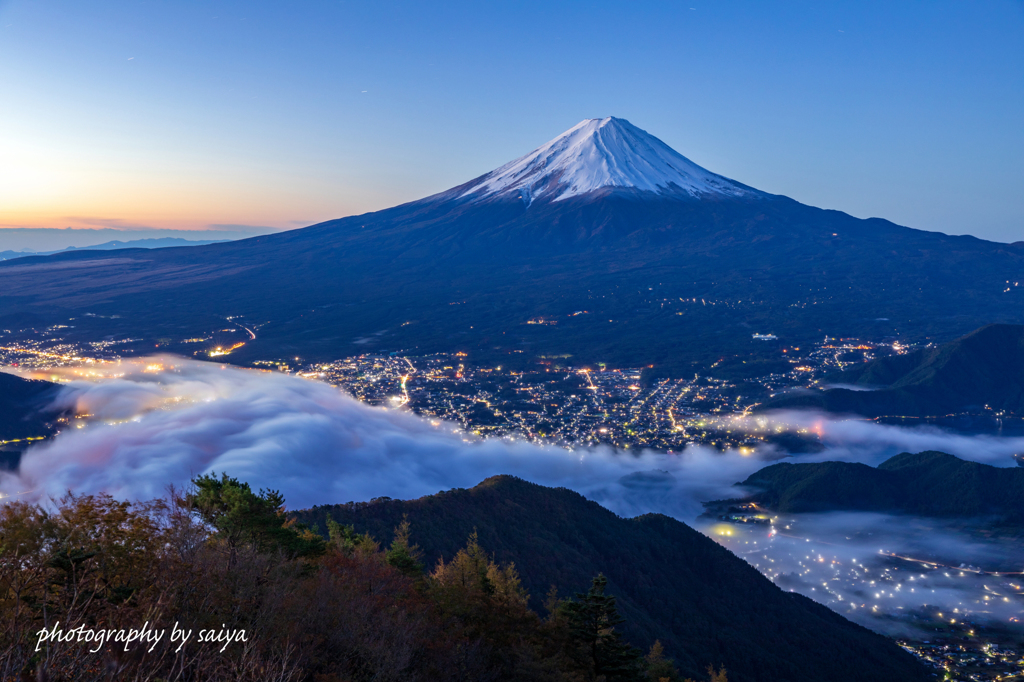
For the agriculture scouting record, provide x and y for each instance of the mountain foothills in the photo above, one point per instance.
(671, 583)
(26, 414)
(290, 604)
(929, 483)
(604, 245)
(982, 371)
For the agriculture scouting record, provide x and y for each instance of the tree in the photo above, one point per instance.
(660, 668)
(468, 571)
(591, 620)
(484, 605)
(244, 518)
(402, 555)
(717, 676)
(348, 541)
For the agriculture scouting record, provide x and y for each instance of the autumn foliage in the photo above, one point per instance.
(330, 607)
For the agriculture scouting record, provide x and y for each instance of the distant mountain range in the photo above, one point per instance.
(671, 583)
(977, 373)
(925, 484)
(634, 254)
(158, 243)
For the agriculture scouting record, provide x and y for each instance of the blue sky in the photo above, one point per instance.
(185, 115)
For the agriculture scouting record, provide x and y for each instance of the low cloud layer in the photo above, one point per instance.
(859, 440)
(162, 420)
(895, 574)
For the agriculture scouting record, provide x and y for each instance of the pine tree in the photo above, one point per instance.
(241, 517)
(402, 555)
(591, 619)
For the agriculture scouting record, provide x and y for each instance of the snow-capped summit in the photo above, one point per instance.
(598, 154)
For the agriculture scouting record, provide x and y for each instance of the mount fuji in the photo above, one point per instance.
(604, 244)
(600, 156)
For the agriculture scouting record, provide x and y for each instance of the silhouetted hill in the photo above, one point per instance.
(22, 415)
(984, 369)
(658, 277)
(706, 605)
(927, 484)
(21, 406)
(153, 243)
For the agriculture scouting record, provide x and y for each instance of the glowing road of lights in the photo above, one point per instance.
(22, 440)
(962, 569)
(218, 351)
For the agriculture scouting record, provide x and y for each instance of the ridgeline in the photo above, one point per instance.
(977, 373)
(926, 484)
(673, 584)
(23, 415)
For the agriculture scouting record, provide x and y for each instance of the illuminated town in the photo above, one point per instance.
(558, 403)
(552, 401)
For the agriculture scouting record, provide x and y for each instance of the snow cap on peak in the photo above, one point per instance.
(600, 153)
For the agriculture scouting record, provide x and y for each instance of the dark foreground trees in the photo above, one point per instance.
(278, 601)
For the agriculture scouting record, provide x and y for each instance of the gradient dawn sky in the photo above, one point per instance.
(248, 115)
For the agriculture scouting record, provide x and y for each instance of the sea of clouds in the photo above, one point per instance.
(163, 420)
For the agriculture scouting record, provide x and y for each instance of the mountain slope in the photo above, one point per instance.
(982, 369)
(927, 483)
(672, 264)
(672, 583)
(23, 415)
(22, 405)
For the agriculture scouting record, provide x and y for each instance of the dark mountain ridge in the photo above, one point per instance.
(927, 483)
(672, 583)
(977, 373)
(24, 406)
(24, 413)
